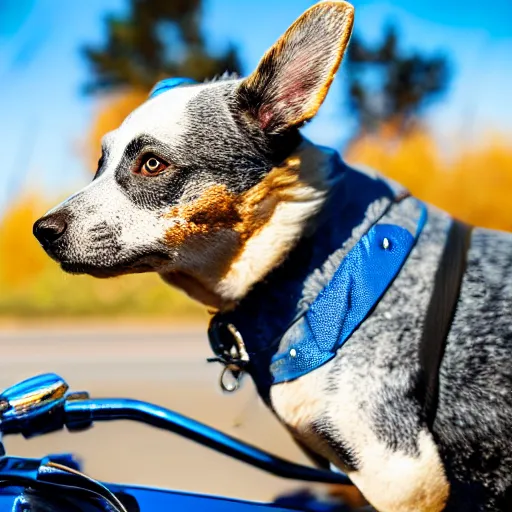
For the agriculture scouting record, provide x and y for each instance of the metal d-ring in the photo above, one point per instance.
(231, 375)
(234, 358)
(228, 345)
(233, 384)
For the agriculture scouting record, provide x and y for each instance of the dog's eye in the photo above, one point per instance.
(151, 166)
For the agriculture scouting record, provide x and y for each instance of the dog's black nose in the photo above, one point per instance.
(50, 228)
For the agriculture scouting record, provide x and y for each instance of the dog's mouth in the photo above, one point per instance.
(103, 272)
(148, 263)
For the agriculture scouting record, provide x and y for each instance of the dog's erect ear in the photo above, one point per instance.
(293, 77)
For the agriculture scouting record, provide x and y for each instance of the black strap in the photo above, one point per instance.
(441, 311)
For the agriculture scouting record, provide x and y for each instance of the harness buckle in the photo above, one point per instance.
(228, 345)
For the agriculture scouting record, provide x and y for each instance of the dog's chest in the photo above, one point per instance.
(340, 427)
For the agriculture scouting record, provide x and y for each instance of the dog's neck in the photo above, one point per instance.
(301, 200)
(353, 205)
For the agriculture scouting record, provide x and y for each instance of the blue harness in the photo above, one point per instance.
(356, 287)
(318, 332)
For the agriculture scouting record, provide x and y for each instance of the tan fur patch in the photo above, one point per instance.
(292, 216)
(349, 495)
(226, 242)
(215, 209)
(218, 209)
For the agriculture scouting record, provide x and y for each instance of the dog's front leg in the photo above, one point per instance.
(339, 428)
(347, 494)
(397, 482)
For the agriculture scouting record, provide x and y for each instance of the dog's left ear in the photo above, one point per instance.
(293, 77)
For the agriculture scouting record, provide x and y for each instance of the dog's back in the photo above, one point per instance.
(473, 424)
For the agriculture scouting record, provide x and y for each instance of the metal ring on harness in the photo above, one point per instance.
(229, 347)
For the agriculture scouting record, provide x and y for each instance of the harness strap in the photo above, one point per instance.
(441, 311)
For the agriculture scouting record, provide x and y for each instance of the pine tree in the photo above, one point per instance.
(387, 86)
(155, 40)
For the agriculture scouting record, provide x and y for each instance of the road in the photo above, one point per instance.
(160, 365)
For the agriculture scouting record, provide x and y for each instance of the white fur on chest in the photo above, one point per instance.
(390, 480)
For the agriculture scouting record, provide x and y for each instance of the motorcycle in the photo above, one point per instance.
(44, 404)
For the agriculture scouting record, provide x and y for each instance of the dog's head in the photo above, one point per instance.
(205, 183)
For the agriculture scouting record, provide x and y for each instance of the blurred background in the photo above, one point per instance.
(423, 96)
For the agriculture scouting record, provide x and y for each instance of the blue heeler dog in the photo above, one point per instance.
(376, 328)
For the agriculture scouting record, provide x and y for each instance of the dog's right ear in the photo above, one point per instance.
(292, 80)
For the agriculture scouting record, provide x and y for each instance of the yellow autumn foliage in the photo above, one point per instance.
(20, 256)
(472, 183)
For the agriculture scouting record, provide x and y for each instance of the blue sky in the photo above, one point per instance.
(44, 115)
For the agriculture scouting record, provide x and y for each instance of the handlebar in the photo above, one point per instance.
(43, 404)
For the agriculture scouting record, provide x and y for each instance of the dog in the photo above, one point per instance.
(213, 187)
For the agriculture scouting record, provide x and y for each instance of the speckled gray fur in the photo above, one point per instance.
(474, 423)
